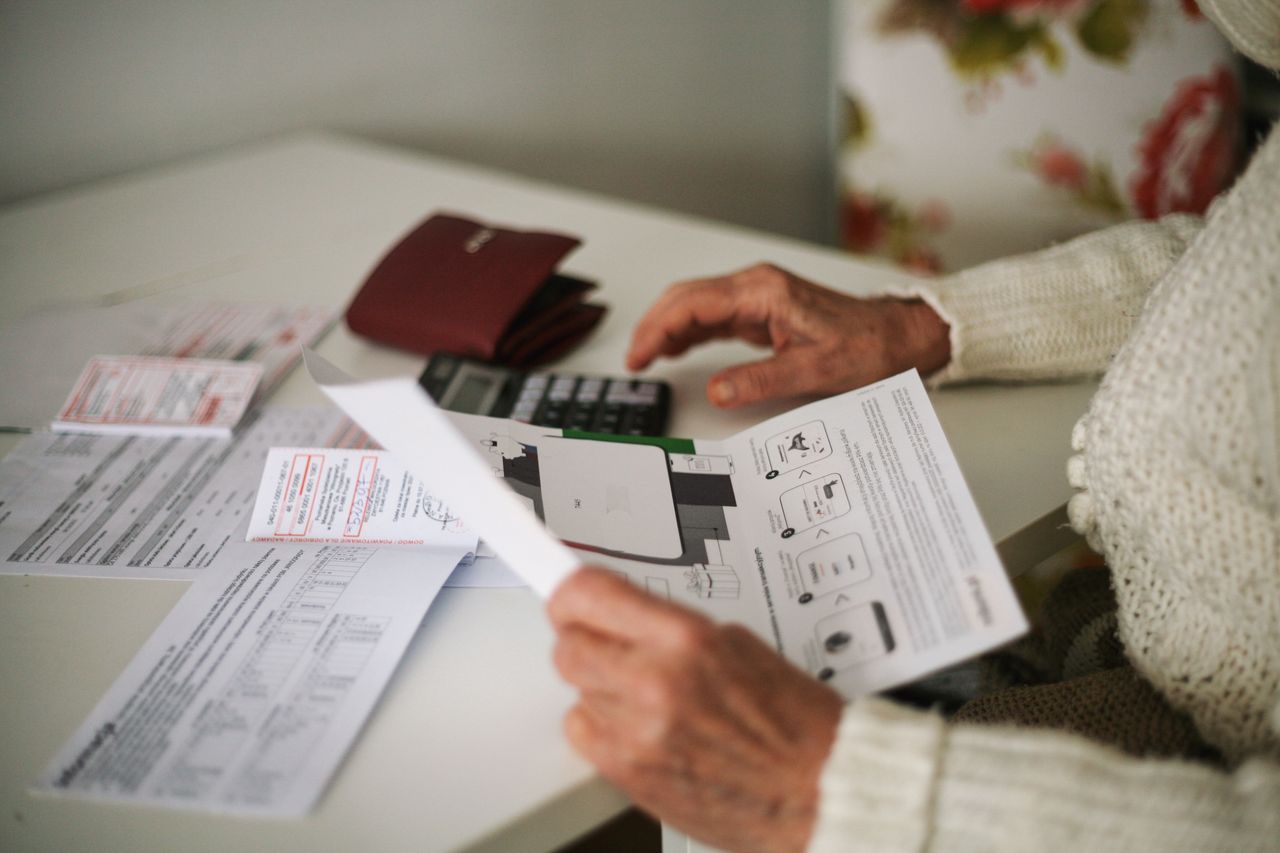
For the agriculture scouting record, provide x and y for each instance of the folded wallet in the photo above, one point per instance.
(461, 286)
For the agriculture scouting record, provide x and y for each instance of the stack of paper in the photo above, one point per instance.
(159, 396)
(248, 695)
(46, 350)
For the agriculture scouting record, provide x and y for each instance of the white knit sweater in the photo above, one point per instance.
(1179, 466)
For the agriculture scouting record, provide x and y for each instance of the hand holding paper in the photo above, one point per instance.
(841, 532)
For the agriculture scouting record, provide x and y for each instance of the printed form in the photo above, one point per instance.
(159, 396)
(137, 507)
(345, 496)
(248, 695)
(841, 532)
(54, 344)
(255, 685)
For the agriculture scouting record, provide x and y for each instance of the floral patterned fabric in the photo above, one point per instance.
(977, 129)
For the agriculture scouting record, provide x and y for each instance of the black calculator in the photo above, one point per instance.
(568, 401)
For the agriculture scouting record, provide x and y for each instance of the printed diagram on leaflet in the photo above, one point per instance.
(843, 533)
(831, 561)
(803, 445)
(663, 519)
(713, 581)
(833, 565)
(857, 630)
(637, 502)
(853, 636)
(814, 503)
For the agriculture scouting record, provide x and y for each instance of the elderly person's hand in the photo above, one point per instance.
(823, 342)
(702, 725)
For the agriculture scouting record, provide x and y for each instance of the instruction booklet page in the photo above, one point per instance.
(842, 531)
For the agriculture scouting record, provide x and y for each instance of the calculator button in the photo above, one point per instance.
(609, 419)
(552, 415)
(577, 409)
(640, 420)
(632, 392)
(536, 381)
(589, 390)
(561, 389)
(619, 390)
(647, 393)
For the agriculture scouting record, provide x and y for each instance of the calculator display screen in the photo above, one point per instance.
(470, 393)
(623, 406)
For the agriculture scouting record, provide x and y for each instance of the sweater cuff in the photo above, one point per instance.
(877, 787)
(1057, 313)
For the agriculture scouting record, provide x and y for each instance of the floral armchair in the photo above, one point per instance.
(981, 128)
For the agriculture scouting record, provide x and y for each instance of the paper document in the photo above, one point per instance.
(841, 532)
(45, 351)
(136, 507)
(403, 419)
(248, 695)
(484, 573)
(349, 497)
(159, 396)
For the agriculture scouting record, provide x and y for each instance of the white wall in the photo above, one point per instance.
(716, 107)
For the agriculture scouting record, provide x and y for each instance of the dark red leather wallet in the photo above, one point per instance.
(476, 290)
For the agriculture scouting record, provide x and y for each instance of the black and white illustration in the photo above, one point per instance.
(712, 581)
(817, 558)
(853, 636)
(833, 565)
(700, 463)
(630, 500)
(816, 502)
(802, 445)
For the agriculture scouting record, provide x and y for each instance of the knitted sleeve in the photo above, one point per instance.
(1060, 312)
(900, 779)
(1179, 469)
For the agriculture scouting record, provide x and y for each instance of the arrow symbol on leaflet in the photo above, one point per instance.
(841, 598)
(803, 474)
(821, 531)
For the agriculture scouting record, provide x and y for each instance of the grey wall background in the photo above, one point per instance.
(715, 107)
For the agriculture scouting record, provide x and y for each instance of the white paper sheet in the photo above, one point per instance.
(484, 573)
(348, 497)
(404, 420)
(248, 695)
(149, 395)
(133, 507)
(842, 532)
(44, 352)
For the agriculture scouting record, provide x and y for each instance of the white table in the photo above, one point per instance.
(465, 750)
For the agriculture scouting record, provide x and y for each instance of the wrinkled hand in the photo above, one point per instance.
(823, 342)
(702, 725)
